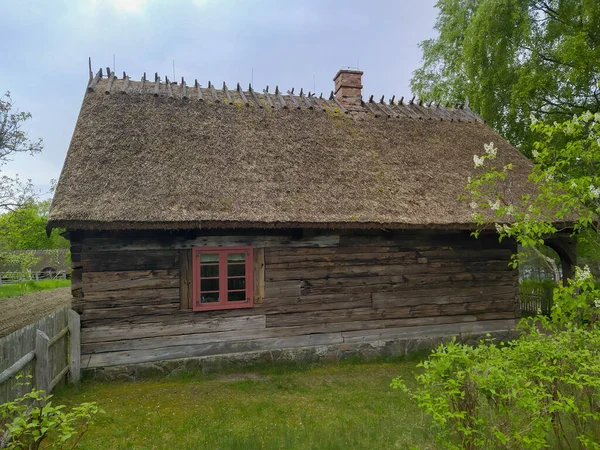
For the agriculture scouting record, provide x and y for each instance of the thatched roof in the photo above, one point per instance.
(163, 155)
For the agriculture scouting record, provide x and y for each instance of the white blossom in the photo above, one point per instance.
(478, 160)
(535, 154)
(473, 205)
(594, 191)
(597, 302)
(468, 179)
(533, 119)
(490, 149)
(495, 206)
(583, 274)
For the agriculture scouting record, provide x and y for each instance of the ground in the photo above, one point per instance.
(326, 406)
(16, 312)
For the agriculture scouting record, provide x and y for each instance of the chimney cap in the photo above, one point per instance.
(353, 71)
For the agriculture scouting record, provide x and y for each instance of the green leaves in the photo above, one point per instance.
(512, 58)
(32, 419)
(538, 391)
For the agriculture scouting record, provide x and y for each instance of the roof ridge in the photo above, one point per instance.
(418, 109)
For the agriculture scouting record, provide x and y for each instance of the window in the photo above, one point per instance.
(222, 278)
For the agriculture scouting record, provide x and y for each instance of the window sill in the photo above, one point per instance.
(208, 307)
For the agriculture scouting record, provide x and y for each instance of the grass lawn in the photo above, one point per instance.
(26, 287)
(347, 405)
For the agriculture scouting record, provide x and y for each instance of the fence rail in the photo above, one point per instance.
(49, 359)
(20, 277)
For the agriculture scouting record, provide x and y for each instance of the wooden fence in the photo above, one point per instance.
(535, 301)
(47, 350)
(20, 277)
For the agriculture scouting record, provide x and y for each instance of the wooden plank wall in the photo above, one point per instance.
(318, 289)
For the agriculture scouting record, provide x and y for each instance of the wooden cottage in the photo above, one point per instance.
(206, 220)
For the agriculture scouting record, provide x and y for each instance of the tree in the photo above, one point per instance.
(514, 58)
(14, 192)
(24, 228)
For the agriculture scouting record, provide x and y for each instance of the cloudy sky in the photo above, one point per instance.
(301, 43)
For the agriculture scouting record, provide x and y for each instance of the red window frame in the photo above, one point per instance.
(223, 277)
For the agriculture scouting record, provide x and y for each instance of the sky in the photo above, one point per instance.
(45, 47)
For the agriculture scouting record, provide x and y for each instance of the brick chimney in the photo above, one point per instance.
(348, 86)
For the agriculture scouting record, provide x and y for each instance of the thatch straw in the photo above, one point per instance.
(140, 161)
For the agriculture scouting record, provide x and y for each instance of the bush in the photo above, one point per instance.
(538, 391)
(32, 419)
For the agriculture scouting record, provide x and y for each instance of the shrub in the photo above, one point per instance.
(538, 391)
(32, 419)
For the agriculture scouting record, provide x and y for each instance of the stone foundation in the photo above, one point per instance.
(216, 363)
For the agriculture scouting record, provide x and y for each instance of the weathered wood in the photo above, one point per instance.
(185, 279)
(280, 98)
(184, 92)
(74, 346)
(259, 275)
(268, 98)
(294, 101)
(198, 91)
(227, 94)
(199, 324)
(127, 260)
(18, 366)
(94, 81)
(42, 365)
(419, 332)
(242, 95)
(213, 92)
(189, 351)
(130, 279)
(177, 243)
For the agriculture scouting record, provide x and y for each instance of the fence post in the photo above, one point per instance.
(74, 346)
(42, 366)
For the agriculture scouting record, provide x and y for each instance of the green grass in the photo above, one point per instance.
(27, 287)
(347, 405)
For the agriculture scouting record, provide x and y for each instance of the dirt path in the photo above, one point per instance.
(16, 312)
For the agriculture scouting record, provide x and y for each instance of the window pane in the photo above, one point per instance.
(236, 270)
(209, 271)
(233, 284)
(209, 257)
(236, 296)
(209, 297)
(209, 285)
(236, 257)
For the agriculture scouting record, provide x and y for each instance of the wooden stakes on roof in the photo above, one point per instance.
(198, 90)
(94, 81)
(337, 102)
(125, 83)
(213, 92)
(242, 95)
(91, 75)
(143, 81)
(169, 89)
(254, 96)
(306, 99)
(279, 97)
(111, 80)
(370, 108)
(184, 92)
(294, 101)
(268, 97)
(156, 84)
(226, 91)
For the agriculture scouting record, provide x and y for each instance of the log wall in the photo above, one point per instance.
(133, 291)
